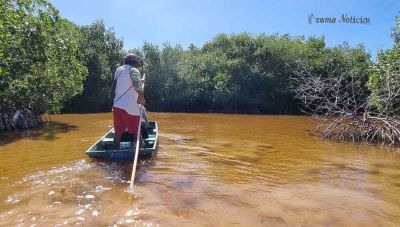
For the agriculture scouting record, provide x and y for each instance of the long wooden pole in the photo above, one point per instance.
(137, 148)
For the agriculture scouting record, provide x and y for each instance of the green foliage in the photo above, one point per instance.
(238, 73)
(396, 30)
(384, 82)
(49, 63)
(384, 79)
(39, 56)
(100, 51)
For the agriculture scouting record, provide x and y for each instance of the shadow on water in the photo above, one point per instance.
(48, 132)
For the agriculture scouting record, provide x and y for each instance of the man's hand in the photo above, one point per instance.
(140, 99)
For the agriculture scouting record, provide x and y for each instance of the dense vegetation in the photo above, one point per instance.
(40, 67)
(238, 73)
(354, 103)
(100, 51)
(49, 64)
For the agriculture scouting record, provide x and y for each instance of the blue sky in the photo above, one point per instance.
(197, 21)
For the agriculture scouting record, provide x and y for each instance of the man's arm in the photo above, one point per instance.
(141, 99)
(137, 84)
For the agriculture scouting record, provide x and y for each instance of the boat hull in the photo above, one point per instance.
(104, 148)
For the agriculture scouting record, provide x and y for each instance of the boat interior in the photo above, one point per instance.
(127, 141)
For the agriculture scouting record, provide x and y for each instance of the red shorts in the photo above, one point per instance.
(125, 122)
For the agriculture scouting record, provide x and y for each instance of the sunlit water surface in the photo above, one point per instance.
(210, 169)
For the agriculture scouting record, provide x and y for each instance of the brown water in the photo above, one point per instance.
(210, 170)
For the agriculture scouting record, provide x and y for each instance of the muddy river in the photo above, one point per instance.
(210, 170)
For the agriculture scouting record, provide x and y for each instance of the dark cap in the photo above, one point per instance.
(131, 58)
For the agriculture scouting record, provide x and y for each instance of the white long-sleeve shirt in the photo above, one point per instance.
(128, 80)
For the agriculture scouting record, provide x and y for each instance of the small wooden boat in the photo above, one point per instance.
(104, 148)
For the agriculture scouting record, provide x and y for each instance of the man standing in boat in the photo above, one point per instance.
(128, 95)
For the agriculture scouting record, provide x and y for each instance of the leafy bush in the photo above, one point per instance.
(39, 56)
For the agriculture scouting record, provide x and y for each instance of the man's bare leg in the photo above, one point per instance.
(117, 140)
(140, 140)
(134, 138)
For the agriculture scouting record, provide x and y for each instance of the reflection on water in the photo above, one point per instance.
(210, 169)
